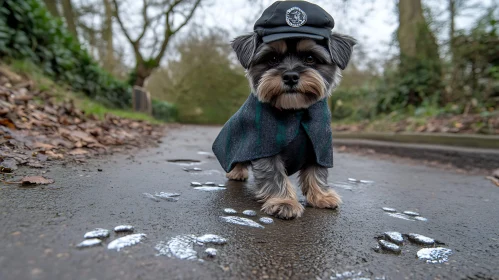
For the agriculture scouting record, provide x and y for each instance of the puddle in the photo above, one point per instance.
(97, 233)
(394, 236)
(230, 211)
(182, 246)
(209, 173)
(431, 255)
(388, 209)
(388, 246)
(192, 169)
(209, 189)
(167, 196)
(420, 239)
(360, 181)
(406, 215)
(250, 213)
(184, 162)
(342, 186)
(434, 255)
(89, 243)
(211, 238)
(125, 241)
(124, 228)
(400, 216)
(266, 220)
(211, 252)
(411, 213)
(157, 197)
(151, 197)
(241, 221)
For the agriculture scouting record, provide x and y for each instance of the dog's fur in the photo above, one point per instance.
(318, 65)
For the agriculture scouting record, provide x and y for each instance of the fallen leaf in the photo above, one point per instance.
(78, 151)
(494, 180)
(39, 145)
(8, 165)
(54, 155)
(8, 123)
(36, 180)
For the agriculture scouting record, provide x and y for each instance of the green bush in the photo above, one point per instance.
(28, 31)
(202, 81)
(164, 111)
(353, 104)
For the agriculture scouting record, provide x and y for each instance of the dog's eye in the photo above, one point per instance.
(310, 59)
(274, 60)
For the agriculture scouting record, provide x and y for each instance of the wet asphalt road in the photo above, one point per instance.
(40, 227)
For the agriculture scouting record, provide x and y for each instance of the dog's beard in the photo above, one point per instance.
(310, 88)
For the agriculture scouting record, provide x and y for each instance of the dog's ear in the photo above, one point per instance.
(341, 47)
(245, 47)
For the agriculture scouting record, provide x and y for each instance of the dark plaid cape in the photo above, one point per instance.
(258, 130)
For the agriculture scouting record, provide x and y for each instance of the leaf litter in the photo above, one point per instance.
(36, 129)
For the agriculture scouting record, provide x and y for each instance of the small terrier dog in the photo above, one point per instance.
(293, 63)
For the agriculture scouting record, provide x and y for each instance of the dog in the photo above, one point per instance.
(284, 127)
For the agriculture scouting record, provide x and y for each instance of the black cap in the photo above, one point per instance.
(294, 19)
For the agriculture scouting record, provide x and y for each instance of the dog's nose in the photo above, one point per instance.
(290, 78)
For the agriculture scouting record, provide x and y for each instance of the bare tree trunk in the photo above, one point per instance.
(107, 34)
(419, 55)
(452, 51)
(69, 16)
(452, 27)
(143, 71)
(414, 36)
(52, 7)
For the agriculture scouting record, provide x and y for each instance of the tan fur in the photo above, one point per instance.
(284, 208)
(292, 101)
(270, 86)
(285, 205)
(279, 46)
(316, 195)
(238, 173)
(310, 89)
(311, 82)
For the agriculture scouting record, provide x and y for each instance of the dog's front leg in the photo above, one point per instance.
(239, 172)
(274, 188)
(313, 182)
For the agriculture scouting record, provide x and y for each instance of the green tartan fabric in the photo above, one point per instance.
(258, 130)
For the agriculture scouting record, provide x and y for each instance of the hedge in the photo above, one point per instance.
(28, 31)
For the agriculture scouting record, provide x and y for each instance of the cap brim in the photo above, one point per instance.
(281, 36)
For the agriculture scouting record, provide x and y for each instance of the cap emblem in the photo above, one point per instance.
(296, 17)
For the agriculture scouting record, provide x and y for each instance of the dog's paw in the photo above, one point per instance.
(239, 173)
(283, 208)
(324, 199)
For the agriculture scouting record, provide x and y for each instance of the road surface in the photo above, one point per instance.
(41, 226)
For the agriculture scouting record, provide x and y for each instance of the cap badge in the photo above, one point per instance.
(296, 17)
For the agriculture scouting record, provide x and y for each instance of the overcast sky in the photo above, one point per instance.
(371, 22)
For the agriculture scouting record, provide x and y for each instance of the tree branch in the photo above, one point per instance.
(169, 31)
(135, 43)
(146, 21)
(188, 18)
(122, 26)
